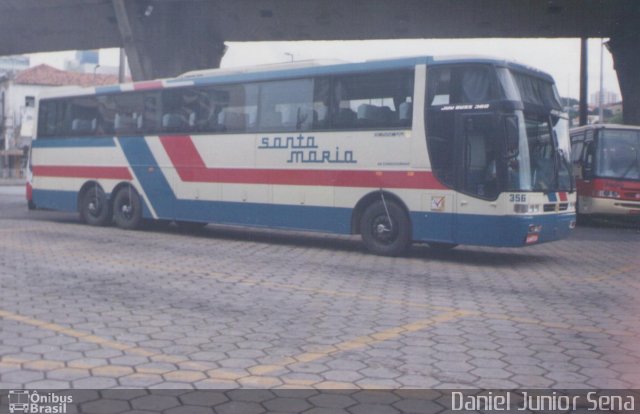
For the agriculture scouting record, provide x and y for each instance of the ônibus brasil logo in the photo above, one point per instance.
(32, 402)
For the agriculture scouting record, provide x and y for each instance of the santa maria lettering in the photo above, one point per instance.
(304, 150)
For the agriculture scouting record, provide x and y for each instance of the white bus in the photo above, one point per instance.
(443, 151)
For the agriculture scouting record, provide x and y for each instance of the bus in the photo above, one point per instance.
(606, 166)
(444, 151)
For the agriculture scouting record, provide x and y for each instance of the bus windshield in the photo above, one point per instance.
(507, 132)
(542, 162)
(618, 154)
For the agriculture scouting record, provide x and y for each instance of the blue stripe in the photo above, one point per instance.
(552, 197)
(78, 142)
(323, 219)
(55, 200)
(496, 231)
(151, 178)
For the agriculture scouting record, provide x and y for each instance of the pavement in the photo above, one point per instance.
(98, 307)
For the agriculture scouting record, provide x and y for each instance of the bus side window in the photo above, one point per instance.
(129, 116)
(286, 105)
(50, 118)
(82, 116)
(372, 101)
(236, 108)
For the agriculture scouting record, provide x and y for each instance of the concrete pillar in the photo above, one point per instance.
(625, 48)
(165, 39)
(584, 75)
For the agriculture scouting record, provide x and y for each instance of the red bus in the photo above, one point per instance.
(606, 165)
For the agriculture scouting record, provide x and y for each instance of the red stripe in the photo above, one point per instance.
(139, 86)
(115, 173)
(563, 196)
(191, 168)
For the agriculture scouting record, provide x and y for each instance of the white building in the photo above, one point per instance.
(18, 95)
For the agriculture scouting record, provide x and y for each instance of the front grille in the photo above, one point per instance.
(549, 207)
(564, 206)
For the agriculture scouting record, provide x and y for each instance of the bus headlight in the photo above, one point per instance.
(606, 194)
(526, 208)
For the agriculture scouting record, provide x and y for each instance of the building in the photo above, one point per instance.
(608, 97)
(18, 94)
(11, 64)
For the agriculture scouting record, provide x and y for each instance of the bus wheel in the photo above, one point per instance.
(385, 230)
(442, 246)
(94, 207)
(127, 209)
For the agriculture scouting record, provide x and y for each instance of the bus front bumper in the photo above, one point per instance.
(609, 206)
(496, 231)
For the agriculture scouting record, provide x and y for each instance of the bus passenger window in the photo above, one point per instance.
(50, 117)
(236, 107)
(178, 114)
(461, 85)
(82, 116)
(373, 101)
(286, 105)
(129, 116)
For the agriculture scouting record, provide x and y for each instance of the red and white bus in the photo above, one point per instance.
(606, 165)
(440, 150)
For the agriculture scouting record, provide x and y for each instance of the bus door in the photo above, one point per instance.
(477, 151)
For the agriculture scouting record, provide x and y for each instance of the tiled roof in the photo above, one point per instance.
(49, 76)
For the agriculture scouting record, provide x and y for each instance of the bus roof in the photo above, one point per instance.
(291, 70)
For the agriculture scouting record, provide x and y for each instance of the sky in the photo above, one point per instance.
(558, 57)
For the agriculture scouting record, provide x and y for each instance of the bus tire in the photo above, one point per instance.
(127, 209)
(94, 207)
(380, 236)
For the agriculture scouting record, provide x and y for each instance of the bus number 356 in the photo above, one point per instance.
(517, 198)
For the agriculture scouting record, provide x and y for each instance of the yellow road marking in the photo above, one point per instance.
(257, 375)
